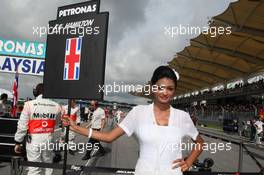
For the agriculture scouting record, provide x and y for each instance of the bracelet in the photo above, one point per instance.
(90, 133)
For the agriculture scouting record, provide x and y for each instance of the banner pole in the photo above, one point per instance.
(66, 140)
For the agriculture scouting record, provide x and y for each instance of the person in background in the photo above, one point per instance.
(123, 115)
(36, 123)
(194, 119)
(97, 124)
(75, 116)
(107, 113)
(86, 113)
(3, 107)
(90, 112)
(82, 111)
(252, 130)
(259, 127)
(118, 113)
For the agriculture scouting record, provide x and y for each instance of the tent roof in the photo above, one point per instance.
(211, 60)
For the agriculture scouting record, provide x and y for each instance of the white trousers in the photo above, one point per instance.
(71, 136)
(39, 152)
(258, 138)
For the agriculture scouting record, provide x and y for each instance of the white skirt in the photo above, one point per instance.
(147, 168)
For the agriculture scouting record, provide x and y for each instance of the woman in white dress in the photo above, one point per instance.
(159, 129)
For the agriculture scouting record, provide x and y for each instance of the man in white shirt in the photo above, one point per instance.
(97, 123)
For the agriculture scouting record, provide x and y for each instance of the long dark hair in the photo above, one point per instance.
(163, 72)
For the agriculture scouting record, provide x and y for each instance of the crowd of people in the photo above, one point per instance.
(248, 118)
(238, 88)
(254, 129)
(229, 108)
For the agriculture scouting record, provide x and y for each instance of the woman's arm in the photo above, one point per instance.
(196, 151)
(102, 136)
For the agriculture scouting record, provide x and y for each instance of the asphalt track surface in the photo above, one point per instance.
(123, 153)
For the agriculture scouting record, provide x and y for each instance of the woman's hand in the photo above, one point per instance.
(67, 121)
(185, 166)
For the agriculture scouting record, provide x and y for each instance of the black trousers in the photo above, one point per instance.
(92, 142)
